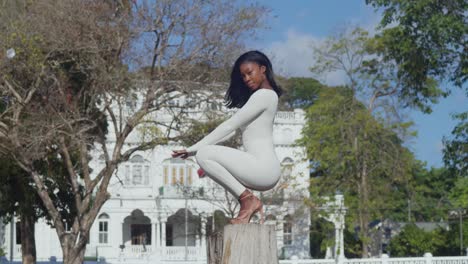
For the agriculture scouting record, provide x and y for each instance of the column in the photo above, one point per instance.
(153, 235)
(203, 232)
(123, 228)
(158, 234)
(13, 239)
(342, 255)
(203, 238)
(337, 237)
(163, 234)
(122, 245)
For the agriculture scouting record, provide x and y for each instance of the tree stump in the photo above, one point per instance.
(215, 248)
(244, 244)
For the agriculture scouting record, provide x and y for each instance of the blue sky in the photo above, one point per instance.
(295, 24)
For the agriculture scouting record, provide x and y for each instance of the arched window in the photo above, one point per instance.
(137, 171)
(178, 171)
(287, 166)
(270, 220)
(103, 221)
(287, 230)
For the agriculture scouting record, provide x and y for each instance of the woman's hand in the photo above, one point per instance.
(180, 154)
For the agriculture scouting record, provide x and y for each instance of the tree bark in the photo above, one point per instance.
(365, 212)
(28, 242)
(72, 255)
(245, 244)
(215, 248)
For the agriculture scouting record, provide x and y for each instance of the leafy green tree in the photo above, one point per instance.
(411, 242)
(299, 92)
(452, 247)
(321, 236)
(429, 193)
(456, 160)
(374, 79)
(18, 198)
(414, 242)
(354, 153)
(71, 76)
(456, 147)
(426, 39)
(459, 193)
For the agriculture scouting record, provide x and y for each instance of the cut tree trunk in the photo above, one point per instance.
(244, 244)
(215, 248)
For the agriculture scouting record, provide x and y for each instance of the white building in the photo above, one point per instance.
(161, 210)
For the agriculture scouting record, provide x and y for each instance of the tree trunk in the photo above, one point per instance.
(28, 241)
(215, 248)
(72, 255)
(245, 244)
(365, 210)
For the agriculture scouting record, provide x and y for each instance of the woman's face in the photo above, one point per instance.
(253, 75)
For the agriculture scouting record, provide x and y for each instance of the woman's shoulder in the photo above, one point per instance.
(265, 92)
(264, 96)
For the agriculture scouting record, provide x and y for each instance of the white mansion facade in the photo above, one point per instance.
(160, 210)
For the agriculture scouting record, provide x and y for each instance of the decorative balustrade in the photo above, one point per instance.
(427, 259)
(184, 253)
(138, 249)
(197, 255)
(289, 117)
(200, 192)
(285, 115)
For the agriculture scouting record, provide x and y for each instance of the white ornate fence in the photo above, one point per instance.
(427, 259)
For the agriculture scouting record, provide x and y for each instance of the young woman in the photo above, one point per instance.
(253, 90)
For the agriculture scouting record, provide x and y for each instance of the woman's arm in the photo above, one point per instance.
(256, 104)
(230, 135)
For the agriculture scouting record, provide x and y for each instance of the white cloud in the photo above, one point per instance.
(293, 56)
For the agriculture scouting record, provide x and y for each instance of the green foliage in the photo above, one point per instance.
(428, 40)
(414, 242)
(456, 147)
(18, 194)
(456, 160)
(428, 191)
(411, 242)
(352, 243)
(373, 77)
(300, 92)
(354, 153)
(339, 134)
(452, 239)
(2, 252)
(459, 193)
(321, 236)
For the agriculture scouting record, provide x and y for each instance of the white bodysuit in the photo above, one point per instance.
(258, 167)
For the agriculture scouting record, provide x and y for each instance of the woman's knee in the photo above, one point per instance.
(206, 153)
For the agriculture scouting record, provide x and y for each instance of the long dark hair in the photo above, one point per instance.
(238, 93)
